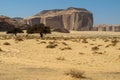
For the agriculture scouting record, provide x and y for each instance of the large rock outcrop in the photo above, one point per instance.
(71, 18)
(6, 23)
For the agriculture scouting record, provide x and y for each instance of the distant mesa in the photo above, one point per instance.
(70, 18)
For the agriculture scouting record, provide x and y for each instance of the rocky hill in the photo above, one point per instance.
(6, 23)
(71, 18)
(106, 27)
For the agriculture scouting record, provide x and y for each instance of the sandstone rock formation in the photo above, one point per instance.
(71, 18)
(6, 23)
(106, 27)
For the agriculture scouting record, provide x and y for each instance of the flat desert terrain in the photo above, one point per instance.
(60, 56)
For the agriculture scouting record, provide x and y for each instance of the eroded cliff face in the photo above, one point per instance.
(71, 19)
(106, 27)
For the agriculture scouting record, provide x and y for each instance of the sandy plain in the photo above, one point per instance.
(60, 56)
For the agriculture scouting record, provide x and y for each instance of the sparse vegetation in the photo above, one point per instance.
(14, 31)
(66, 48)
(84, 40)
(51, 46)
(114, 42)
(18, 39)
(81, 53)
(76, 74)
(60, 58)
(64, 43)
(6, 43)
(106, 40)
(1, 50)
(42, 42)
(98, 53)
(95, 48)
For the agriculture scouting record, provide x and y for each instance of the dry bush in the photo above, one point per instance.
(42, 42)
(118, 48)
(18, 39)
(92, 44)
(66, 48)
(1, 50)
(6, 43)
(51, 42)
(51, 46)
(99, 45)
(64, 43)
(106, 40)
(76, 74)
(97, 52)
(93, 39)
(84, 40)
(65, 38)
(95, 48)
(108, 45)
(37, 39)
(81, 53)
(114, 42)
(60, 58)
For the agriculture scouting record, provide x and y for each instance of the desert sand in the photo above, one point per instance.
(60, 56)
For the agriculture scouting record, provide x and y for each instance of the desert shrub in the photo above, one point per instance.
(92, 44)
(97, 52)
(18, 39)
(6, 43)
(84, 40)
(114, 42)
(14, 31)
(64, 43)
(81, 53)
(99, 45)
(1, 50)
(95, 48)
(42, 42)
(66, 48)
(106, 40)
(51, 46)
(118, 48)
(60, 58)
(76, 74)
(51, 42)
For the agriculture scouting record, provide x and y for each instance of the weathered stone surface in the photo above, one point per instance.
(6, 23)
(71, 19)
(106, 27)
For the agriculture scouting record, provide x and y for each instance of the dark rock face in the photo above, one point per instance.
(4, 26)
(6, 23)
(71, 19)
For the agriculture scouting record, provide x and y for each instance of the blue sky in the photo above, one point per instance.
(104, 11)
